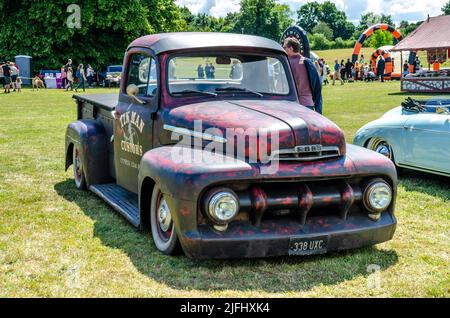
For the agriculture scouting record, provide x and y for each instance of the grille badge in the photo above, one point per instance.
(308, 148)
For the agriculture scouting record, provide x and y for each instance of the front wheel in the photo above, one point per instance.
(78, 171)
(163, 229)
(382, 147)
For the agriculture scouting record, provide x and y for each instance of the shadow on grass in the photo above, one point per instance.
(431, 184)
(282, 274)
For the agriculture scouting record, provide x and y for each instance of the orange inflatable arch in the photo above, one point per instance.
(369, 32)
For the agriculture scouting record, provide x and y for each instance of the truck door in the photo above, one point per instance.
(133, 129)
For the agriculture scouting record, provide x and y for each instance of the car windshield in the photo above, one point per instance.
(439, 105)
(213, 75)
(115, 69)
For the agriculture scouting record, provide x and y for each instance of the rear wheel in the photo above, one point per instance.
(163, 229)
(78, 171)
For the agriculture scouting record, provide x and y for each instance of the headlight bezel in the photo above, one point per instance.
(217, 196)
(370, 190)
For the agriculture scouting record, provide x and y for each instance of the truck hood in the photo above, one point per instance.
(294, 124)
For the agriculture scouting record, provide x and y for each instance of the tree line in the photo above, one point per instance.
(40, 29)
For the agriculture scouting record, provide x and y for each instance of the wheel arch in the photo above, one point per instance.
(388, 141)
(69, 155)
(90, 136)
(145, 199)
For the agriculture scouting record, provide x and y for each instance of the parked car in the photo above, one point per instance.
(414, 136)
(112, 75)
(146, 151)
(48, 73)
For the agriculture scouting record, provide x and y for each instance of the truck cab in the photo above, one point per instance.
(281, 181)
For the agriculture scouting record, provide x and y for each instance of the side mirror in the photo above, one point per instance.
(132, 91)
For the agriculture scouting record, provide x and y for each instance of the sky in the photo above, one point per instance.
(410, 10)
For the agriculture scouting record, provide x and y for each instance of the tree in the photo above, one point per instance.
(39, 29)
(164, 15)
(446, 8)
(262, 17)
(380, 38)
(283, 15)
(406, 28)
(324, 29)
(319, 42)
(310, 14)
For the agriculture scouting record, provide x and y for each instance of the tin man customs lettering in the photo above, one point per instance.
(132, 126)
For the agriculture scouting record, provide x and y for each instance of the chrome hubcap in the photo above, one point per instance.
(164, 216)
(384, 149)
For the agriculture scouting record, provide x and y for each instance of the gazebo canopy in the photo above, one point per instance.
(432, 34)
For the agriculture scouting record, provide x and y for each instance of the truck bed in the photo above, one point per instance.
(104, 101)
(100, 107)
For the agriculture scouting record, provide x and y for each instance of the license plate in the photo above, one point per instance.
(308, 245)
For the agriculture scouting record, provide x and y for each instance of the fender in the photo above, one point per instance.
(184, 182)
(91, 136)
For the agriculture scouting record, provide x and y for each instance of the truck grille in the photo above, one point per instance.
(299, 199)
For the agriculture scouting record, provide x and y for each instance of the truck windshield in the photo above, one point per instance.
(254, 75)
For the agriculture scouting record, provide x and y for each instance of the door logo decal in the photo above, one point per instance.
(132, 127)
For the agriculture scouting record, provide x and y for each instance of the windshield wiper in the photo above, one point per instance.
(191, 91)
(238, 89)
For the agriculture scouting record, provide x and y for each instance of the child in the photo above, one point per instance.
(18, 84)
(69, 79)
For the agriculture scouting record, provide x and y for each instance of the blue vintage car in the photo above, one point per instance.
(415, 135)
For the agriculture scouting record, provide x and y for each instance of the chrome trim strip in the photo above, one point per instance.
(276, 154)
(195, 134)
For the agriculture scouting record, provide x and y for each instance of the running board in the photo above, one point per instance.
(121, 200)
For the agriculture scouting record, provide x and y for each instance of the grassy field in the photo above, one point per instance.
(57, 241)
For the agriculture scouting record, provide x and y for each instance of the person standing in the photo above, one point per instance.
(309, 87)
(207, 71)
(200, 72)
(348, 69)
(69, 79)
(18, 84)
(417, 65)
(63, 77)
(212, 71)
(68, 64)
(405, 69)
(361, 60)
(380, 68)
(89, 75)
(2, 76)
(337, 72)
(7, 76)
(81, 78)
(14, 74)
(342, 71)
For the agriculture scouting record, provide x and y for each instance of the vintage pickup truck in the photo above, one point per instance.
(307, 192)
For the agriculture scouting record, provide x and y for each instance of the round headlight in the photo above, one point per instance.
(377, 196)
(223, 206)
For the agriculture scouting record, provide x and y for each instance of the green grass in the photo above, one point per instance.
(57, 241)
